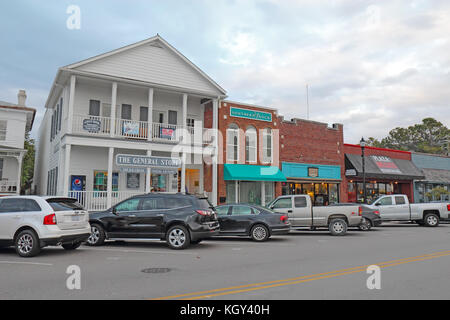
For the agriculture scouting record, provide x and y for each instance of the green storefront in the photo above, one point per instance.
(251, 183)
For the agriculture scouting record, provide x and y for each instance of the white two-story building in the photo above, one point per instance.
(127, 122)
(15, 121)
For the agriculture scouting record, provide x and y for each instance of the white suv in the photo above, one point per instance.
(31, 222)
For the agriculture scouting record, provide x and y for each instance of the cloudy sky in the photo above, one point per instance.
(371, 65)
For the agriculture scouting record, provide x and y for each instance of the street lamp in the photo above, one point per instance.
(362, 143)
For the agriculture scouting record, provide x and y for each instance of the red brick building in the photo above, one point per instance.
(312, 159)
(387, 172)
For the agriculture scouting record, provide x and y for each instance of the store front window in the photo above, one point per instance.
(322, 194)
(161, 182)
(250, 192)
(427, 192)
(355, 191)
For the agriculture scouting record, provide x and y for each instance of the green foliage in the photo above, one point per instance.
(436, 193)
(430, 136)
(28, 163)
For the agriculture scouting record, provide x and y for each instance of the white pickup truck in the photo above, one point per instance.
(397, 208)
(301, 213)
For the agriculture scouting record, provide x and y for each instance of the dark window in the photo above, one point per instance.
(300, 202)
(153, 203)
(283, 203)
(126, 111)
(64, 204)
(177, 202)
(241, 211)
(1, 169)
(222, 211)
(128, 205)
(18, 205)
(94, 108)
(172, 117)
(385, 201)
(60, 113)
(143, 116)
(400, 200)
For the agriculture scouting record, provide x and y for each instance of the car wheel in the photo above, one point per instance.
(365, 225)
(27, 244)
(259, 233)
(71, 246)
(97, 237)
(431, 220)
(338, 227)
(178, 237)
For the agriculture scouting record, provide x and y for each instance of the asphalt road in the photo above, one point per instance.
(414, 262)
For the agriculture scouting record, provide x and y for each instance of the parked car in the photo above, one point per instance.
(251, 221)
(370, 217)
(178, 219)
(397, 208)
(301, 213)
(30, 223)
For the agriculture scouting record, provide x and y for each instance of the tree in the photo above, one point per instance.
(28, 163)
(430, 136)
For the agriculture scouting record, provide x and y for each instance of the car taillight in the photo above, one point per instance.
(377, 212)
(448, 207)
(284, 219)
(360, 211)
(50, 219)
(204, 212)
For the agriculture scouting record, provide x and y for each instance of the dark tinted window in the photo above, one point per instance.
(241, 210)
(64, 205)
(178, 202)
(128, 205)
(300, 202)
(400, 200)
(153, 203)
(18, 205)
(222, 211)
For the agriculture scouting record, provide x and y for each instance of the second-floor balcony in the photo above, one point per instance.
(140, 130)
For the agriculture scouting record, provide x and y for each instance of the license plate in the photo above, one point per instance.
(76, 218)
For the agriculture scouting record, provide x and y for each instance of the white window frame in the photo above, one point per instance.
(265, 148)
(230, 144)
(249, 149)
(3, 132)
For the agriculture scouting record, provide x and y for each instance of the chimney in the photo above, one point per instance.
(21, 98)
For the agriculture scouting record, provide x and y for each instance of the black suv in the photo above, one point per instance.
(178, 219)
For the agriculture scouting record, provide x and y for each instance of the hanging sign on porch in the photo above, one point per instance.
(92, 125)
(147, 161)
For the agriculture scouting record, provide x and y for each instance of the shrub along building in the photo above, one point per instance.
(312, 159)
(387, 172)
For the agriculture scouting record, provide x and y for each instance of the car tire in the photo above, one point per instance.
(97, 237)
(178, 237)
(431, 220)
(338, 227)
(365, 225)
(27, 244)
(71, 246)
(259, 233)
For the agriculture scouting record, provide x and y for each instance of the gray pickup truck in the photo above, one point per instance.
(396, 207)
(301, 213)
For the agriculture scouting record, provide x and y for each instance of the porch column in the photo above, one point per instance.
(216, 151)
(110, 174)
(19, 173)
(148, 176)
(113, 109)
(73, 80)
(66, 170)
(184, 115)
(150, 115)
(183, 172)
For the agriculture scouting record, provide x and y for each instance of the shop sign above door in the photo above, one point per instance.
(250, 114)
(313, 172)
(386, 165)
(147, 161)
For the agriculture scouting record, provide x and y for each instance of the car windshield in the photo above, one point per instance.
(64, 204)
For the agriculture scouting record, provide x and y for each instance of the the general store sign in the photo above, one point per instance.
(147, 161)
(250, 114)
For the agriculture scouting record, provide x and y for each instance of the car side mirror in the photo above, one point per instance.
(377, 204)
(114, 211)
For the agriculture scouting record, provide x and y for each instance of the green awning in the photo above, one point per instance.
(246, 172)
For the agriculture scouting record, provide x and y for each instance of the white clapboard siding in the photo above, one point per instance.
(150, 63)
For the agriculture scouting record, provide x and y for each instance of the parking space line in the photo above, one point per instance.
(140, 251)
(302, 279)
(28, 263)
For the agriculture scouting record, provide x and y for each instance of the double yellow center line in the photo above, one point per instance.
(297, 280)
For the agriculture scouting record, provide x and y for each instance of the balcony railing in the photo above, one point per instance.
(98, 200)
(8, 186)
(139, 130)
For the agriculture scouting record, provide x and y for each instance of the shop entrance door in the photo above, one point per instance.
(250, 192)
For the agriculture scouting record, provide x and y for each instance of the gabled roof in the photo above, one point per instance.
(30, 116)
(158, 41)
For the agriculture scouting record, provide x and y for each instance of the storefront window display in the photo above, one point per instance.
(355, 191)
(432, 192)
(249, 192)
(321, 194)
